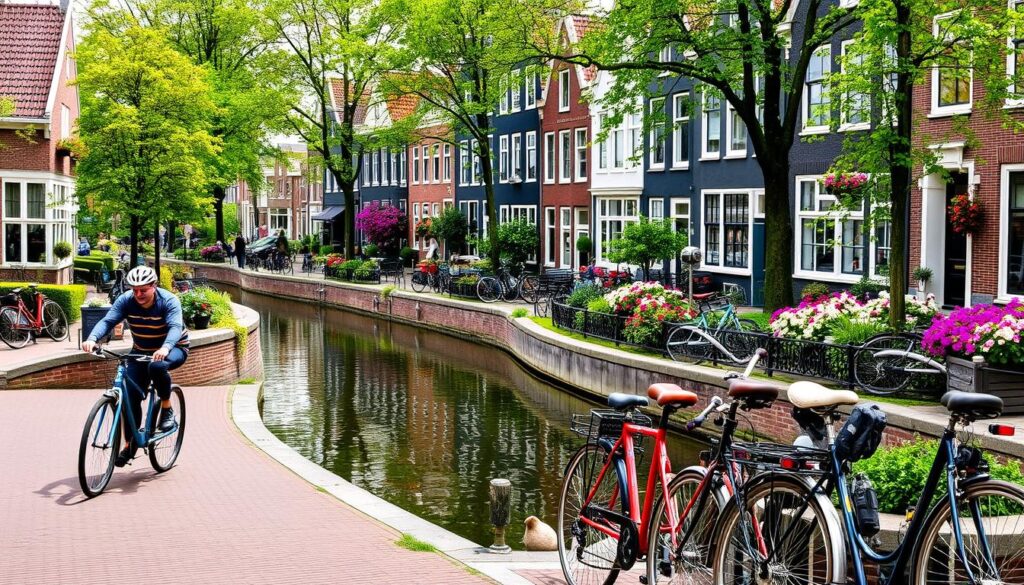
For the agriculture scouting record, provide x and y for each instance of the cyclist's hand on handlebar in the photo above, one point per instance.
(160, 354)
(88, 346)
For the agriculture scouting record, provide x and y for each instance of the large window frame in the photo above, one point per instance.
(531, 156)
(962, 80)
(711, 128)
(855, 111)
(1011, 233)
(416, 165)
(727, 221)
(657, 136)
(447, 163)
(827, 245)
(681, 130)
(503, 158)
(817, 112)
(43, 215)
(550, 241)
(515, 153)
(565, 156)
(565, 237)
(564, 90)
(549, 157)
(580, 164)
(735, 134)
(612, 216)
(465, 170)
(1015, 61)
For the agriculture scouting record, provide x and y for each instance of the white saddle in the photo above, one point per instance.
(810, 395)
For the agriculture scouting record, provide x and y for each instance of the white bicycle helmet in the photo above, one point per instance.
(140, 276)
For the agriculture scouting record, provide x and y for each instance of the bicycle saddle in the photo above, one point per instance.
(973, 405)
(620, 401)
(755, 393)
(805, 394)
(670, 394)
(702, 296)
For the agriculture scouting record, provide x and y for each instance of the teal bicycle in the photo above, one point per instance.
(101, 438)
(717, 334)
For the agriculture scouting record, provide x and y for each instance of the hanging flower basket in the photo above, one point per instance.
(845, 183)
(965, 215)
(423, 228)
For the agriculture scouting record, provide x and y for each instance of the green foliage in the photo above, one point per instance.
(519, 312)
(406, 254)
(70, 297)
(846, 330)
(61, 250)
(96, 261)
(452, 227)
(922, 273)
(166, 278)
(581, 297)
(584, 244)
(326, 249)
(646, 242)
(868, 286)
(899, 473)
(385, 293)
(371, 250)
(517, 240)
(351, 264)
(365, 270)
(410, 542)
(814, 290)
(600, 305)
(467, 280)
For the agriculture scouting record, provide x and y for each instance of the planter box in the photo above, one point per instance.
(463, 290)
(970, 376)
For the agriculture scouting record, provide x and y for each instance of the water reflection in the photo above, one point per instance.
(421, 419)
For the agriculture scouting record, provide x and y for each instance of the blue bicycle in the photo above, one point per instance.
(101, 438)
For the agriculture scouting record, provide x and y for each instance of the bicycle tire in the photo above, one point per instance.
(9, 332)
(103, 412)
(772, 500)
(738, 342)
(164, 452)
(55, 322)
(686, 345)
(420, 284)
(488, 289)
(936, 558)
(529, 289)
(586, 554)
(668, 556)
(881, 375)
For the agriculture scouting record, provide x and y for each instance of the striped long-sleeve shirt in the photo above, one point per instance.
(159, 326)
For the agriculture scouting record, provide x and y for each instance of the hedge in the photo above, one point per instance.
(95, 261)
(70, 297)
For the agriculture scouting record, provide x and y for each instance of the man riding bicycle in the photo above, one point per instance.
(158, 330)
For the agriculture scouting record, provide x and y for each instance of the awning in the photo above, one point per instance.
(329, 213)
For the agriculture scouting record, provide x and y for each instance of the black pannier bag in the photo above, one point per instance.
(9, 300)
(861, 434)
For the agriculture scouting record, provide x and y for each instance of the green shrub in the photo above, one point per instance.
(326, 249)
(468, 280)
(351, 264)
(519, 312)
(95, 261)
(582, 296)
(406, 254)
(365, 270)
(845, 330)
(61, 250)
(70, 297)
(899, 473)
(814, 289)
(371, 250)
(385, 293)
(600, 305)
(166, 278)
(867, 286)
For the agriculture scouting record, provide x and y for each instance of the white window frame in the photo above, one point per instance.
(580, 164)
(654, 105)
(436, 159)
(58, 219)
(426, 163)
(629, 212)
(656, 209)
(1004, 230)
(447, 163)
(952, 109)
(839, 223)
(564, 156)
(564, 93)
(274, 215)
(415, 222)
(601, 148)
(680, 129)
(565, 252)
(465, 169)
(477, 173)
(515, 154)
(402, 165)
(720, 268)
(634, 140)
(850, 98)
(809, 127)
(375, 167)
(416, 165)
(503, 159)
(731, 122)
(503, 102)
(531, 157)
(551, 241)
(549, 158)
(530, 78)
(516, 88)
(1014, 45)
(710, 116)
(366, 169)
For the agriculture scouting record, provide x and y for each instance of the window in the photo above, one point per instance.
(581, 154)
(531, 87)
(393, 166)
(516, 89)
(549, 157)
(602, 147)
(856, 107)
(816, 104)
(656, 209)
(1015, 59)
(549, 236)
(612, 217)
(437, 162)
(426, 164)
(447, 163)
(826, 242)
(665, 55)
(366, 169)
(681, 216)
(565, 225)
(564, 156)
(531, 157)
(712, 130)
(415, 165)
(503, 104)
(883, 247)
(1014, 237)
(515, 161)
(415, 222)
(375, 161)
(503, 159)
(727, 230)
(477, 174)
(737, 133)
(681, 130)
(464, 168)
(657, 136)
(279, 219)
(563, 90)
(635, 139)
(401, 168)
(951, 77)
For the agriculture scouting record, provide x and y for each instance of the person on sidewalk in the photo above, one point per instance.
(156, 312)
(240, 250)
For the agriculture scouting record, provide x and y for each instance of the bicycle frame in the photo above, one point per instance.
(119, 388)
(935, 367)
(26, 318)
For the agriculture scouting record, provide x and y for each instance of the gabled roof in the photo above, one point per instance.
(338, 100)
(400, 106)
(30, 46)
(572, 29)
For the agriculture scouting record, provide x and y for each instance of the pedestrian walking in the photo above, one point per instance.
(240, 250)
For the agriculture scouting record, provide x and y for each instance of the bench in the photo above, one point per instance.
(392, 270)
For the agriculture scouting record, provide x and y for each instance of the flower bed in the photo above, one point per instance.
(989, 331)
(213, 253)
(817, 318)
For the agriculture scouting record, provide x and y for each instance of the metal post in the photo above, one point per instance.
(689, 269)
(501, 497)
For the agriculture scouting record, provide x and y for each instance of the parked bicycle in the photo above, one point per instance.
(19, 324)
(508, 286)
(889, 363)
(718, 333)
(111, 417)
(436, 277)
(965, 528)
(117, 286)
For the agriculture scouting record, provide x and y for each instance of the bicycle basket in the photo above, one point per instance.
(760, 457)
(606, 423)
(9, 300)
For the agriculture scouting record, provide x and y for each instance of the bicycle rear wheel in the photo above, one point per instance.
(55, 322)
(488, 289)
(100, 443)
(680, 545)
(529, 288)
(883, 375)
(164, 451)
(686, 344)
(995, 553)
(9, 331)
(586, 554)
(420, 282)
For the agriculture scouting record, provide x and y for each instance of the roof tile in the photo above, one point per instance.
(29, 45)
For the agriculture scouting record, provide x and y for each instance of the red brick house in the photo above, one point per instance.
(288, 201)
(563, 143)
(988, 265)
(36, 176)
(431, 179)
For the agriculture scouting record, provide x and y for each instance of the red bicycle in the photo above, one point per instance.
(19, 324)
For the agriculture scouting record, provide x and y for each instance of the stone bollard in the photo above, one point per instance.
(501, 497)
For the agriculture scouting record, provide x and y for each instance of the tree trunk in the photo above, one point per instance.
(134, 226)
(156, 247)
(350, 220)
(778, 253)
(901, 159)
(218, 211)
(172, 227)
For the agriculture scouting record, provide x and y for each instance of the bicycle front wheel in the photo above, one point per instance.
(781, 535)
(10, 333)
(686, 344)
(991, 520)
(679, 543)
(100, 443)
(55, 322)
(882, 375)
(529, 288)
(163, 452)
(488, 289)
(419, 282)
(588, 555)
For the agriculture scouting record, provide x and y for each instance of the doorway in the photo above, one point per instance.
(955, 258)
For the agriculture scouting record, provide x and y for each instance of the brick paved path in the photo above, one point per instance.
(226, 513)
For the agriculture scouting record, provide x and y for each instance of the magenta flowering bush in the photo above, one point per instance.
(383, 225)
(814, 318)
(987, 330)
(213, 253)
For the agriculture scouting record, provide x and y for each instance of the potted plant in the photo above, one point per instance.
(922, 274)
(965, 215)
(840, 183)
(583, 246)
(983, 350)
(407, 254)
(195, 309)
(93, 311)
(61, 250)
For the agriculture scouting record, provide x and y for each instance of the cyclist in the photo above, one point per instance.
(154, 317)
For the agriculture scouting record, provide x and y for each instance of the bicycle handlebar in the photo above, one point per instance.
(700, 418)
(99, 352)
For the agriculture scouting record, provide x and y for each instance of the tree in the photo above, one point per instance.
(339, 47)
(742, 51)
(645, 242)
(517, 240)
(451, 226)
(145, 121)
(456, 54)
(901, 42)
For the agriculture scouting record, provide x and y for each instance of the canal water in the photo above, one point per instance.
(422, 419)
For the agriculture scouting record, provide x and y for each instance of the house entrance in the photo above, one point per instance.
(955, 260)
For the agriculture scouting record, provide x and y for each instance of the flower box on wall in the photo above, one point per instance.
(976, 376)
